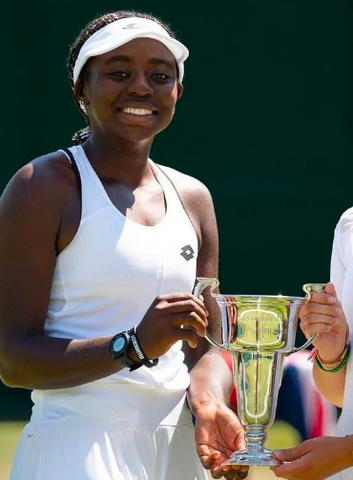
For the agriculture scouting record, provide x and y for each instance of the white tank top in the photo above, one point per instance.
(107, 277)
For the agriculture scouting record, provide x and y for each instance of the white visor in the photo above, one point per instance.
(124, 30)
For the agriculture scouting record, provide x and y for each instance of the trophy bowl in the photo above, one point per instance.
(259, 331)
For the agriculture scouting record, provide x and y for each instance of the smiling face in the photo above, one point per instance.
(131, 91)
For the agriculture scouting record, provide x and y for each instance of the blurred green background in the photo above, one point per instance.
(265, 122)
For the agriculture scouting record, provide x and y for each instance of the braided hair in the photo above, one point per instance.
(92, 27)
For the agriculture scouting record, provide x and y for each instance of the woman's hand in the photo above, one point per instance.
(173, 317)
(323, 314)
(315, 459)
(218, 433)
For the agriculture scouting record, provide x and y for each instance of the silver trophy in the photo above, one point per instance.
(259, 331)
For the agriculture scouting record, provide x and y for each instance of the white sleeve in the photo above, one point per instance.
(342, 250)
(337, 270)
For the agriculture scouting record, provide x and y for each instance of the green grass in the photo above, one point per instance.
(280, 435)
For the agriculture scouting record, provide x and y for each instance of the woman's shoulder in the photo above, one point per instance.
(51, 166)
(198, 203)
(44, 173)
(345, 221)
(41, 186)
(186, 184)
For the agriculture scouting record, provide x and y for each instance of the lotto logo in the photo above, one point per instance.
(187, 252)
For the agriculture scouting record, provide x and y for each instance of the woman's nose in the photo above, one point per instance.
(140, 85)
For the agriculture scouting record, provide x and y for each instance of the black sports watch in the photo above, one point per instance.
(118, 348)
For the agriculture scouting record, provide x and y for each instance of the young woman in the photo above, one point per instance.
(99, 251)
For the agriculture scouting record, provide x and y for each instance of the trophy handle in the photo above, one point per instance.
(306, 344)
(201, 284)
(308, 288)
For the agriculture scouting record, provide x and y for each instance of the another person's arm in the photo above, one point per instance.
(319, 458)
(327, 317)
(323, 314)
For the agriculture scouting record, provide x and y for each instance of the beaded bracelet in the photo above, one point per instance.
(315, 354)
(330, 365)
(339, 366)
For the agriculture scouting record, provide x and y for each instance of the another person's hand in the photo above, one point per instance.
(323, 314)
(172, 317)
(315, 459)
(218, 434)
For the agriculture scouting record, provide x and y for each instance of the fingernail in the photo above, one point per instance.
(331, 299)
(278, 454)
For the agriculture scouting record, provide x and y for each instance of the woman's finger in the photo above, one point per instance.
(320, 318)
(183, 297)
(321, 298)
(316, 328)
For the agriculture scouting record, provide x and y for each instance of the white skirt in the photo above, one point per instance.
(60, 444)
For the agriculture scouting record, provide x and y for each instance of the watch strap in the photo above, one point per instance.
(138, 350)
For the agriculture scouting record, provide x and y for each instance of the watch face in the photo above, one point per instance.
(119, 344)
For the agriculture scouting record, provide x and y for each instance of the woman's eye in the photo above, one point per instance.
(161, 76)
(119, 74)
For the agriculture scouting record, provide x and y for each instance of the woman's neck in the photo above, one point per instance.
(124, 161)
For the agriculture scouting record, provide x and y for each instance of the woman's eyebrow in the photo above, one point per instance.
(126, 58)
(118, 58)
(157, 61)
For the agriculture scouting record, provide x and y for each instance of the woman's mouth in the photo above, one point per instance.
(138, 111)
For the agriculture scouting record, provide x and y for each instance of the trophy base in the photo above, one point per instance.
(260, 458)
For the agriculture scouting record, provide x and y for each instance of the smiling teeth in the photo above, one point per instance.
(137, 111)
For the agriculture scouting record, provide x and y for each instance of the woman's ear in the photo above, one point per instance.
(79, 91)
(180, 90)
